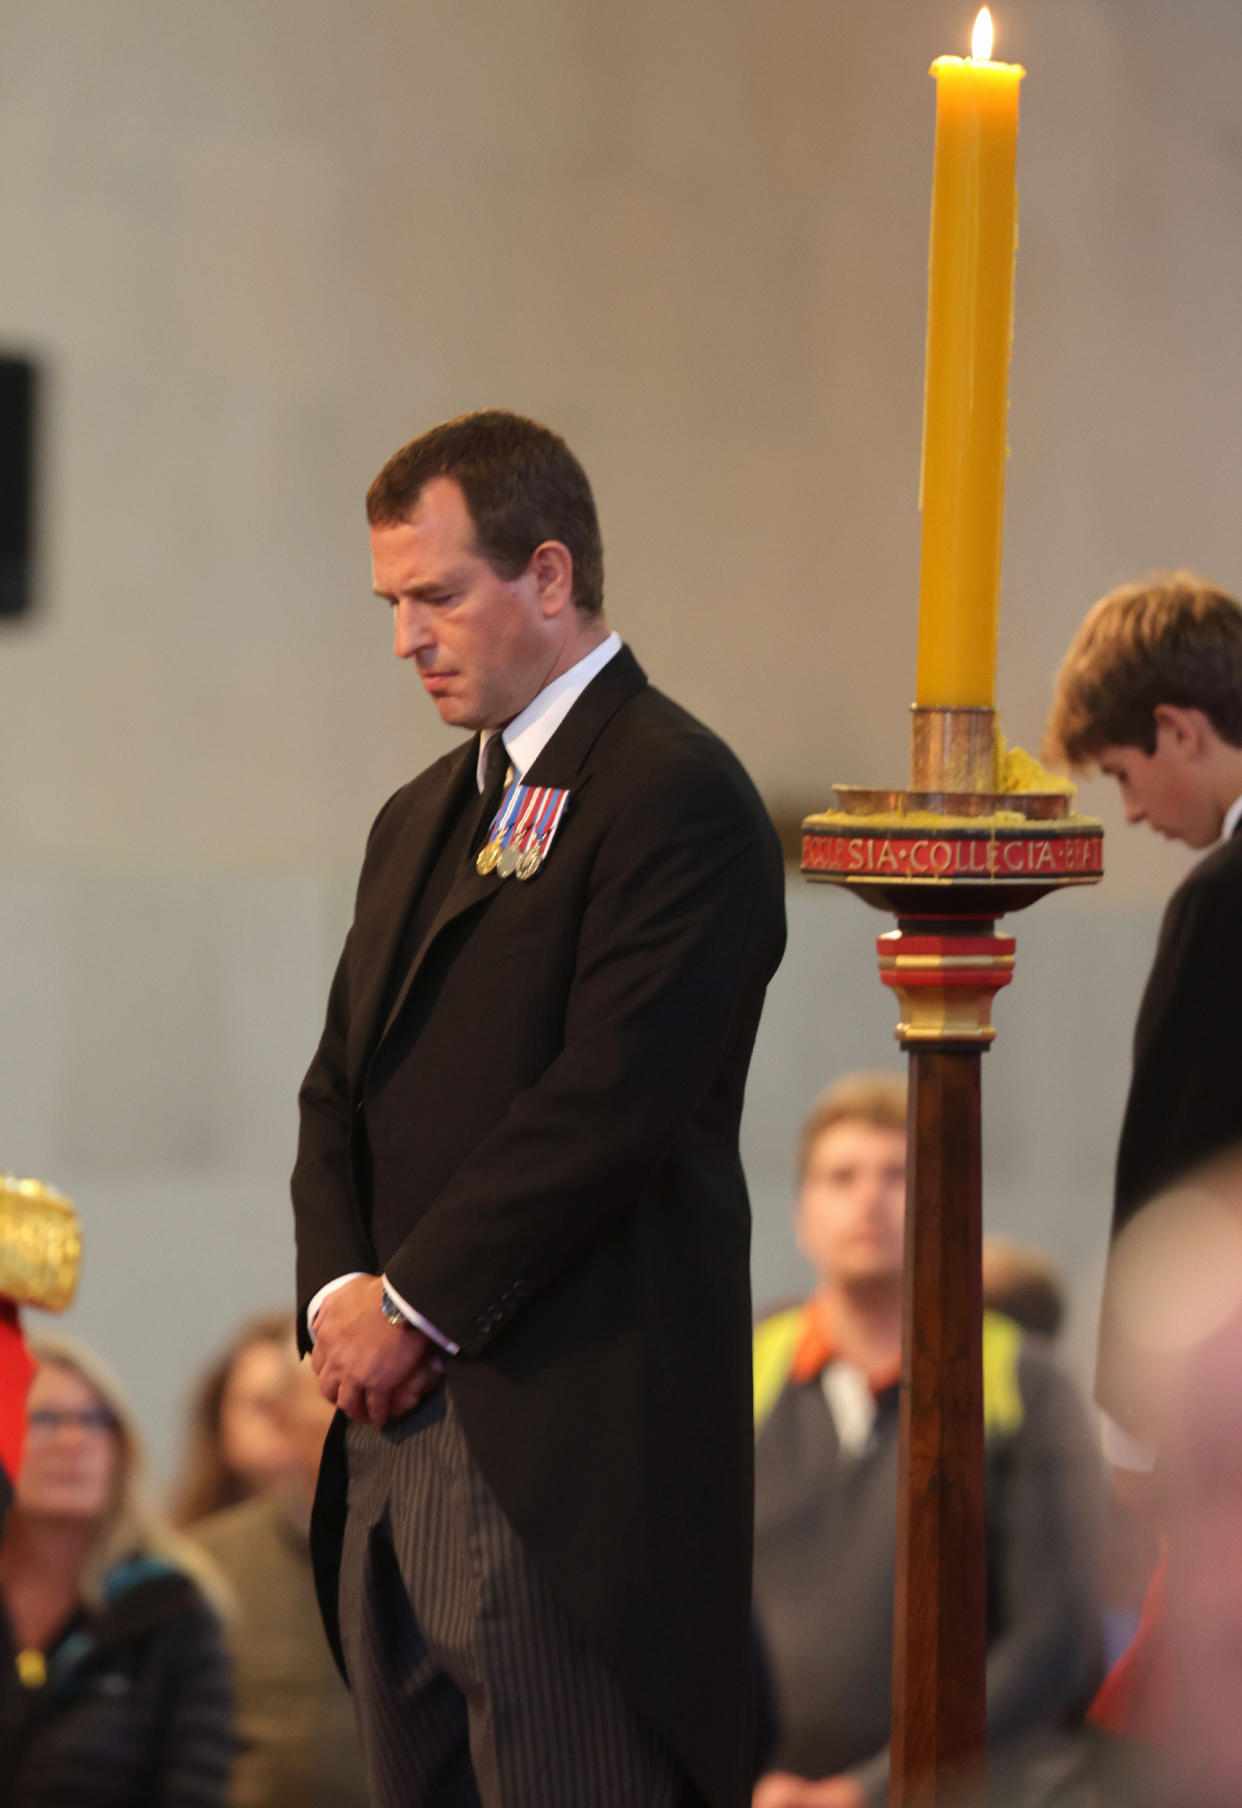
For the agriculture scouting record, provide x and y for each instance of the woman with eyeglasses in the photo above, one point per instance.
(114, 1678)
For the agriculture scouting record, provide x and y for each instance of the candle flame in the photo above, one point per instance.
(981, 37)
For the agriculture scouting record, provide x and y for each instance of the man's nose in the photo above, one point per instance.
(1134, 811)
(411, 632)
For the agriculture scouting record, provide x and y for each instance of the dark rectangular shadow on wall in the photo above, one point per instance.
(18, 395)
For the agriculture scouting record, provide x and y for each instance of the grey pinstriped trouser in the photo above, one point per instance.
(471, 1688)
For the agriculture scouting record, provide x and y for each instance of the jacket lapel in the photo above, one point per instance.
(470, 887)
(395, 895)
(561, 763)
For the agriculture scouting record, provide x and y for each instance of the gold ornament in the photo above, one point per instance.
(40, 1244)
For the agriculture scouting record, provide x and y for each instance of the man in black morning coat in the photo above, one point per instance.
(518, 1169)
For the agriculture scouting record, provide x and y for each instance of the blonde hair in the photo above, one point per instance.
(1174, 638)
(132, 1526)
(878, 1099)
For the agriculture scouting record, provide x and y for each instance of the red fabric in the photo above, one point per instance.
(16, 1368)
(1135, 1700)
(818, 1346)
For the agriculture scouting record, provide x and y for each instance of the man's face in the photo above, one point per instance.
(1165, 788)
(484, 645)
(852, 1203)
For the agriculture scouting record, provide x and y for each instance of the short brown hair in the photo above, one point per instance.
(1174, 638)
(878, 1099)
(522, 486)
(1027, 1285)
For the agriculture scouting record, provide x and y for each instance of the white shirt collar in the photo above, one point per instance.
(529, 733)
(1233, 816)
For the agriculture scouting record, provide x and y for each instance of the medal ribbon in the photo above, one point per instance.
(551, 822)
(502, 821)
(529, 817)
(529, 811)
(534, 834)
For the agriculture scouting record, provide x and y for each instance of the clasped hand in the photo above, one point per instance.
(372, 1370)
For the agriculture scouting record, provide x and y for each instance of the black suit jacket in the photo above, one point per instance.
(553, 1178)
(1185, 1100)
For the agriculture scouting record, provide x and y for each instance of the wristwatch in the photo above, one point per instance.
(392, 1311)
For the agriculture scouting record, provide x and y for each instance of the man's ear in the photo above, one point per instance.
(552, 567)
(1187, 730)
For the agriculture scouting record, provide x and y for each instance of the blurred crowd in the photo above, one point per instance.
(177, 1657)
(171, 1657)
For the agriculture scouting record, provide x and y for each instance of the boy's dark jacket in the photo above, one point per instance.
(1185, 1100)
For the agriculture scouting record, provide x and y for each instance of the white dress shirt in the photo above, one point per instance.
(525, 739)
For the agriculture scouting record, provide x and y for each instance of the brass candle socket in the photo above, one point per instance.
(953, 749)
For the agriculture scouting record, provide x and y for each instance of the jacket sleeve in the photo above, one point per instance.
(682, 926)
(330, 1240)
(1184, 1102)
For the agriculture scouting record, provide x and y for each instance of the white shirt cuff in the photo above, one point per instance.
(420, 1323)
(1122, 1451)
(312, 1311)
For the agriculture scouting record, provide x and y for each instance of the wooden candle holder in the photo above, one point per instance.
(947, 857)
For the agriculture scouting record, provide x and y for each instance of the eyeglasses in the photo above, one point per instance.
(46, 1421)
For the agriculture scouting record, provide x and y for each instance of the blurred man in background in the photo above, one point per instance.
(826, 1396)
(1168, 1715)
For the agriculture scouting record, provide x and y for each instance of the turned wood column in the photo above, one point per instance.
(938, 1737)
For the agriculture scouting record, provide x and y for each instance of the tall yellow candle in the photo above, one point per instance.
(969, 331)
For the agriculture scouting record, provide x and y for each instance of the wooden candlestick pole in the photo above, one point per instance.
(947, 857)
(939, 1646)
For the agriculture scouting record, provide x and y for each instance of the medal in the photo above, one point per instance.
(532, 801)
(488, 857)
(519, 838)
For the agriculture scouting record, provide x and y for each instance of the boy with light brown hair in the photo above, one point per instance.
(1150, 691)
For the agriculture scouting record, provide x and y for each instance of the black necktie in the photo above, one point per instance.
(495, 769)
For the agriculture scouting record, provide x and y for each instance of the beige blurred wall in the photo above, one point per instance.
(258, 244)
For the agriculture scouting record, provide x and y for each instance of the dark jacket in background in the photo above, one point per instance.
(136, 1711)
(1185, 1100)
(825, 1543)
